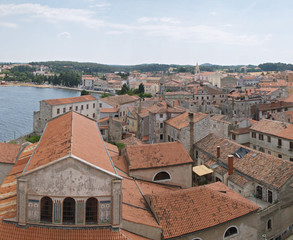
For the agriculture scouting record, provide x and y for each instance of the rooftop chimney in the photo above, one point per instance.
(230, 165)
(191, 135)
(218, 151)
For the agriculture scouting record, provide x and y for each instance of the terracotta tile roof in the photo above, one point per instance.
(182, 120)
(12, 232)
(120, 163)
(9, 152)
(104, 119)
(119, 100)
(206, 90)
(276, 128)
(240, 131)
(112, 149)
(194, 209)
(156, 155)
(262, 167)
(71, 134)
(160, 107)
(132, 236)
(273, 105)
(131, 141)
(109, 110)
(238, 179)
(61, 101)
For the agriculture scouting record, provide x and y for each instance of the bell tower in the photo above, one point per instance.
(196, 73)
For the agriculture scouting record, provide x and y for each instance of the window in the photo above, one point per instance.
(279, 142)
(161, 125)
(269, 138)
(94, 105)
(231, 231)
(291, 145)
(162, 176)
(218, 179)
(261, 149)
(270, 196)
(64, 110)
(70, 108)
(169, 138)
(269, 224)
(253, 134)
(91, 215)
(46, 210)
(87, 106)
(161, 136)
(76, 108)
(269, 152)
(233, 136)
(100, 105)
(161, 115)
(279, 155)
(58, 110)
(291, 159)
(68, 211)
(81, 107)
(94, 115)
(259, 192)
(260, 137)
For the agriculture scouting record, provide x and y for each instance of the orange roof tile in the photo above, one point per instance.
(132, 236)
(189, 210)
(61, 101)
(109, 110)
(71, 134)
(182, 120)
(8, 152)
(276, 128)
(260, 166)
(156, 155)
(119, 100)
(12, 232)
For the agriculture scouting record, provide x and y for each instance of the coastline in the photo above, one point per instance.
(9, 84)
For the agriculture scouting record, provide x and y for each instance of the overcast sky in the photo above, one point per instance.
(147, 31)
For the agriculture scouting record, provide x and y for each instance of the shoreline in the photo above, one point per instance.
(8, 84)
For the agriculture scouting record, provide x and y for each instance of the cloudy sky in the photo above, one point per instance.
(147, 31)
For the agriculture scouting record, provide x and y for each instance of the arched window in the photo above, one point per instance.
(231, 231)
(68, 211)
(91, 215)
(269, 224)
(162, 176)
(46, 210)
(259, 192)
(218, 179)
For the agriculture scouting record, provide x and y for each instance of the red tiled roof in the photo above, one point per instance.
(71, 134)
(276, 128)
(132, 236)
(8, 152)
(12, 232)
(108, 110)
(189, 210)
(182, 120)
(260, 166)
(61, 101)
(119, 100)
(156, 155)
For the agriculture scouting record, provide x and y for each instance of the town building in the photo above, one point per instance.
(86, 105)
(273, 137)
(120, 102)
(263, 179)
(9, 153)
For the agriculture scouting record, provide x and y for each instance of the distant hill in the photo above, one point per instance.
(206, 65)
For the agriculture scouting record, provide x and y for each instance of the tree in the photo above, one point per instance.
(124, 89)
(84, 92)
(141, 88)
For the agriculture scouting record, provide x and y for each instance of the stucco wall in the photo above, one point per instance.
(69, 178)
(4, 170)
(180, 175)
(246, 227)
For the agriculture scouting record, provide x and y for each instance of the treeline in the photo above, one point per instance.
(276, 66)
(68, 79)
(95, 68)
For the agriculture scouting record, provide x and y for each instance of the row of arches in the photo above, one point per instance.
(69, 206)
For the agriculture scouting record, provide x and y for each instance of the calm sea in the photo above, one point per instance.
(17, 105)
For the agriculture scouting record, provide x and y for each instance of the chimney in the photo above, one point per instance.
(191, 135)
(230, 165)
(218, 151)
